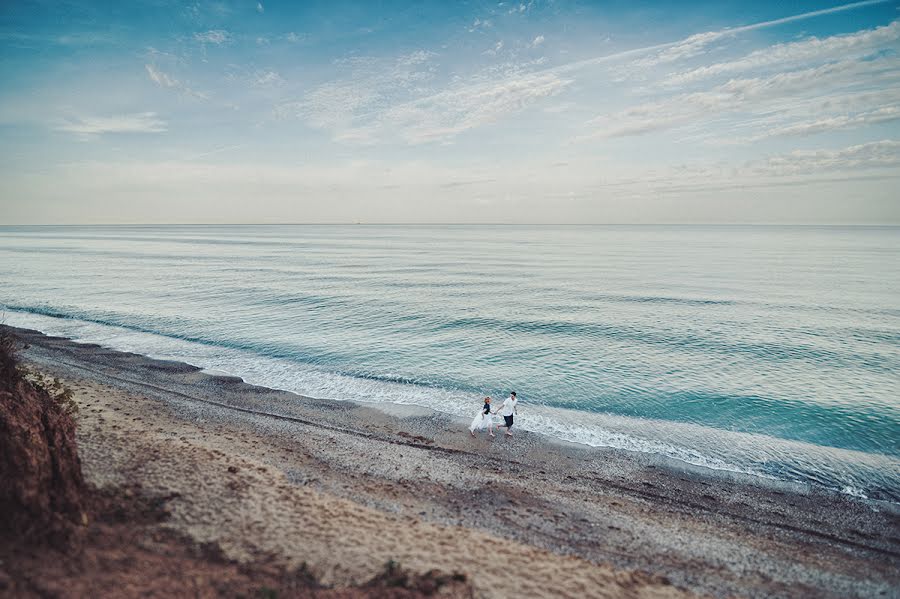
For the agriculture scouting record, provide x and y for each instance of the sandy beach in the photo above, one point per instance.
(346, 487)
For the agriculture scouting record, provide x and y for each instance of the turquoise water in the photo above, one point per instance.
(768, 350)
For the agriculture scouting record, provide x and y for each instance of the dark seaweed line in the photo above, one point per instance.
(268, 414)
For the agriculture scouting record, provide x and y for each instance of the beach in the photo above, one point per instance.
(264, 264)
(346, 487)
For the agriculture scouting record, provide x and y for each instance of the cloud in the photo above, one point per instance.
(885, 114)
(447, 114)
(268, 78)
(370, 85)
(493, 51)
(214, 151)
(202, 11)
(480, 24)
(692, 45)
(873, 155)
(164, 80)
(451, 184)
(394, 103)
(697, 44)
(143, 122)
(259, 8)
(520, 8)
(686, 48)
(847, 81)
(861, 162)
(159, 77)
(361, 108)
(357, 174)
(71, 39)
(213, 36)
(882, 154)
(838, 47)
(841, 184)
(536, 42)
(560, 108)
(749, 97)
(873, 160)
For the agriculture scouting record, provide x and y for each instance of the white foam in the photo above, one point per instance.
(854, 492)
(693, 444)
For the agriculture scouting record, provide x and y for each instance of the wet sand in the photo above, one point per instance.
(346, 487)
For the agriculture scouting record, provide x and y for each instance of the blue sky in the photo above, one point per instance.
(540, 111)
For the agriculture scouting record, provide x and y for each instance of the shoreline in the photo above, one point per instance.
(397, 409)
(709, 532)
(680, 457)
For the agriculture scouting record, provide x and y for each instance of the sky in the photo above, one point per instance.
(540, 111)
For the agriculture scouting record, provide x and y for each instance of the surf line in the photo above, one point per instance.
(295, 419)
(777, 525)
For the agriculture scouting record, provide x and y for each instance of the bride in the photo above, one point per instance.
(483, 418)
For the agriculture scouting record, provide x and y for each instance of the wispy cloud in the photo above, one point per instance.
(268, 78)
(884, 114)
(520, 7)
(877, 154)
(838, 47)
(495, 49)
(749, 96)
(213, 152)
(72, 39)
(159, 77)
(165, 80)
(369, 86)
(485, 110)
(696, 44)
(395, 104)
(686, 48)
(200, 12)
(364, 107)
(213, 36)
(689, 46)
(800, 167)
(143, 122)
(878, 159)
(847, 81)
(447, 114)
(480, 24)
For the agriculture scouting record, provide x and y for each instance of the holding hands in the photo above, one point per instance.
(508, 410)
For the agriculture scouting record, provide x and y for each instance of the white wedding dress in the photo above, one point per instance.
(481, 421)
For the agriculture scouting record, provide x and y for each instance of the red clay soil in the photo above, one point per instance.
(42, 490)
(58, 538)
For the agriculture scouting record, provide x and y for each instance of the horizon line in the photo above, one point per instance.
(462, 224)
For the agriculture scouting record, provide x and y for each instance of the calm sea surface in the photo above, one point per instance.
(768, 350)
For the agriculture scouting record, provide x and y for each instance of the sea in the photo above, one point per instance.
(771, 351)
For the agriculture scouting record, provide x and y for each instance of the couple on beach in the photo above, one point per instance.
(483, 418)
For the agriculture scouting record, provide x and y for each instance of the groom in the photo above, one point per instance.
(507, 410)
